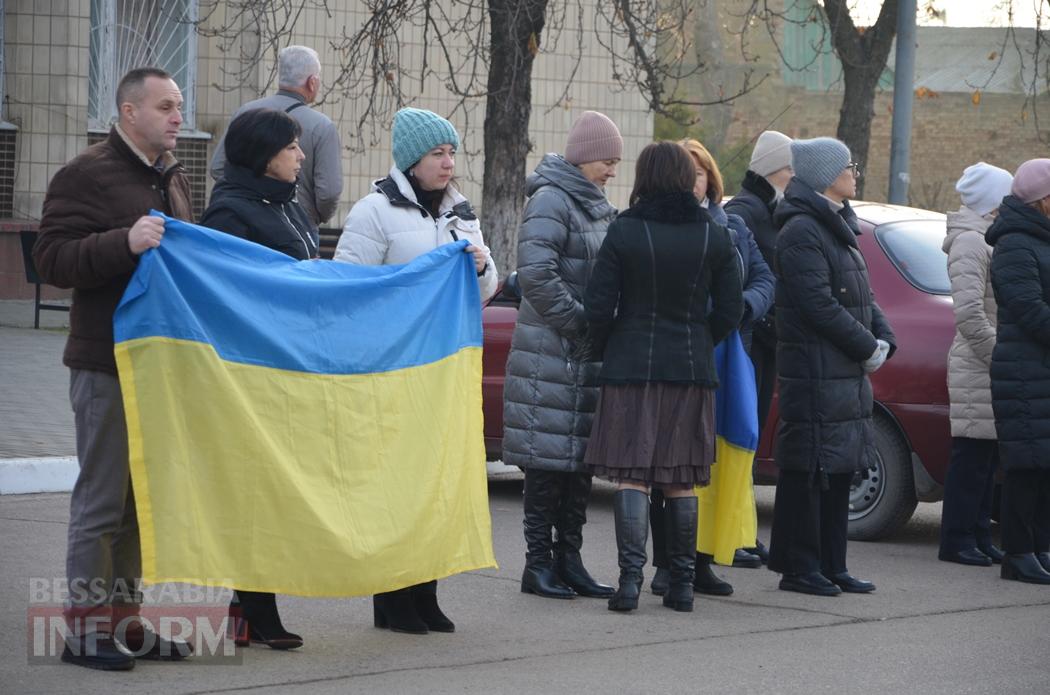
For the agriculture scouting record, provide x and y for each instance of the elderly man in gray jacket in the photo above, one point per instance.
(299, 82)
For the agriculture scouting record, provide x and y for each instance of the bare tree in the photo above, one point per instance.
(862, 51)
(649, 44)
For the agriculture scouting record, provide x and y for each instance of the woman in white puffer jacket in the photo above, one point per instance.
(416, 209)
(965, 517)
(412, 211)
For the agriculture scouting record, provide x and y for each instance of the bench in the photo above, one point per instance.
(329, 239)
(28, 238)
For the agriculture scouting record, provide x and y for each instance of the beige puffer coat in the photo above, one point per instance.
(969, 386)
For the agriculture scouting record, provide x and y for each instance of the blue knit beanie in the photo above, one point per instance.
(416, 132)
(818, 162)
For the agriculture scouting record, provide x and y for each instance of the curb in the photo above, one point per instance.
(45, 474)
(59, 473)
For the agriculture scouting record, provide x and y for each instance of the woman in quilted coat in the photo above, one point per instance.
(966, 536)
(1020, 370)
(830, 335)
(551, 387)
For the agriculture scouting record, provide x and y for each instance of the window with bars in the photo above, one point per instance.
(128, 34)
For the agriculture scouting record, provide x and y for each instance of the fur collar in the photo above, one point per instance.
(672, 208)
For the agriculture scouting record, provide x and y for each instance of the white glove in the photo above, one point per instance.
(882, 351)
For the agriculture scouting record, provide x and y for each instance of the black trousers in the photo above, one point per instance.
(966, 516)
(764, 358)
(1025, 522)
(810, 523)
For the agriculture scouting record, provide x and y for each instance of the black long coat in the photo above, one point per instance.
(755, 203)
(1021, 359)
(827, 324)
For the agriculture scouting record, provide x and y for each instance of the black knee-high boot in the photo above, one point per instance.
(662, 575)
(572, 515)
(541, 495)
(631, 510)
(680, 519)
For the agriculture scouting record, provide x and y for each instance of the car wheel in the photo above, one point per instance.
(882, 499)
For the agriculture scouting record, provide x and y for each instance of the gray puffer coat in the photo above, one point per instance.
(970, 357)
(549, 395)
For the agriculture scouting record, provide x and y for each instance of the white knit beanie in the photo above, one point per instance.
(983, 187)
(772, 153)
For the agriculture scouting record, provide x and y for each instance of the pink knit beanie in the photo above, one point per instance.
(593, 138)
(1032, 181)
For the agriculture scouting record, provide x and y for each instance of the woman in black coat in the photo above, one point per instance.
(1021, 370)
(256, 197)
(664, 291)
(255, 200)
(830, 335)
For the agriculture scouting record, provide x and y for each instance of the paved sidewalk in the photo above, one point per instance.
(35, 416)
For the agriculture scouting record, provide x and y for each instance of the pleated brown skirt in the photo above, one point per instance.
(653, 434)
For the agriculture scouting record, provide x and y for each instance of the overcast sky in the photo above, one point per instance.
(966, 13)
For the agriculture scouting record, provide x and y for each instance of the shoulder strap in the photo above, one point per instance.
(294, 106)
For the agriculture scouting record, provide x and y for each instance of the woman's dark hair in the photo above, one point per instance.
(257, 136)
(663, 167)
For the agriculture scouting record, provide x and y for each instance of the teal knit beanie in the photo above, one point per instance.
(416, 132)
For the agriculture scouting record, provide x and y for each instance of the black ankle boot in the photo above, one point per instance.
(680, 518)
(396, 610)
(705, 581)
(1024, 567)
(427, 608)
(1044, 560)
(631, 511)
(254, 618)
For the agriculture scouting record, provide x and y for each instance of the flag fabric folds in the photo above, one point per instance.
(727, 519)
(303, 427)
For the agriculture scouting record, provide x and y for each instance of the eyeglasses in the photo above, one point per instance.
(855, 168)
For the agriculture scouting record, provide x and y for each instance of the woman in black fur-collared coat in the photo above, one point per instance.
(664, 291)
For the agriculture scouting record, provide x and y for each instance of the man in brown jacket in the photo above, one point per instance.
(94, 227)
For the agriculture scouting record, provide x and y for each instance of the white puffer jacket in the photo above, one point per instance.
(389, 227)
(969, 359)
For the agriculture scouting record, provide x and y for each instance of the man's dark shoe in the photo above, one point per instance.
(98, 651)
(1044, 560)
(814, 583)
(969, 556)
(743, 558)
(661, 580)
(850, 584)
(993, 552)
(146, 644)
(1024, 567)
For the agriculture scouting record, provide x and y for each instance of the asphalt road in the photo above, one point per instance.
(931, 627)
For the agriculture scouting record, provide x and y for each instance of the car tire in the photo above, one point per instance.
(882, 501)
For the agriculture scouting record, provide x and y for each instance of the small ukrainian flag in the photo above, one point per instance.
(726, 519)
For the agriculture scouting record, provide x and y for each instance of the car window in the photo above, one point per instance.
(914, 247)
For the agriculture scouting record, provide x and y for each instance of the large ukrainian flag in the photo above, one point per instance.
(311, 428)
(727, 519)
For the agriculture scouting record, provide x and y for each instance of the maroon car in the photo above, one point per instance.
(908, 270)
